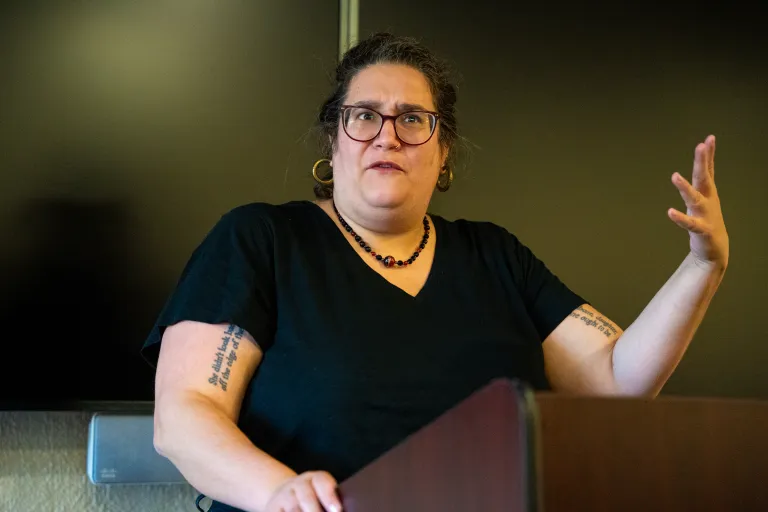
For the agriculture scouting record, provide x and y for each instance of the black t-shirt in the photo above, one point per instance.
(352, 364)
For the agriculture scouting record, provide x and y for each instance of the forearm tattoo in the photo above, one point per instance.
(225, 357)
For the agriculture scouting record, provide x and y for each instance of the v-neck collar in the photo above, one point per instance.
(349, 252)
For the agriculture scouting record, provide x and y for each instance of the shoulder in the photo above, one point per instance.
(255, 227)
(261, 217)
(263, 212)
(483, 236)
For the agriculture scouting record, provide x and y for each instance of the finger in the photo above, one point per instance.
(306, 497)
(692, 224)
(325, 487)
(700, 172)
(692, 197)
(289, 503)
(712, 156)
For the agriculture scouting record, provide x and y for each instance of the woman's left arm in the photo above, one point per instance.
(587, 353)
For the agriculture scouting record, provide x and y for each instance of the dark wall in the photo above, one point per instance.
(126, 130)
(579, 116)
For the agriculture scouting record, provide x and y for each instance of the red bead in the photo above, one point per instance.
(405, 263)
(389, 262)
(373, 254)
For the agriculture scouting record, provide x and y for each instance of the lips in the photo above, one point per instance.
(385, 165)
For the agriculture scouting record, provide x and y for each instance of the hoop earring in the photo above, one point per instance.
(324, 183)
(443, 187)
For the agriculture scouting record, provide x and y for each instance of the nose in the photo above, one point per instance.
(387, 137)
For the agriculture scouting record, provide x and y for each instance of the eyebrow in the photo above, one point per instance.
(400, 107)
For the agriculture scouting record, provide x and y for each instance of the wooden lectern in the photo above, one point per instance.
(478, 456)
(507, 449)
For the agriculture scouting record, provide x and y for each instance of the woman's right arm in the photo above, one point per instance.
(196, 410)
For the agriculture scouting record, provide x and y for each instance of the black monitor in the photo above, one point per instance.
(76, 303)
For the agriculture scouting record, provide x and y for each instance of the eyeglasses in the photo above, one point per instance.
(364, 124)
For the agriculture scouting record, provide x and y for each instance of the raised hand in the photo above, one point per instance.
(704, 217)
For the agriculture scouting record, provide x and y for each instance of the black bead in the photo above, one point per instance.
(357, 238)
(410, 260)
(379, 257)
(362, 244)
(415, 255)
(347, 227)
(367, 248)
(426, 236)
(399, 263)
(422, 245)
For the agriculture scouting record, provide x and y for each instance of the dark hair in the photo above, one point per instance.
(386, 48)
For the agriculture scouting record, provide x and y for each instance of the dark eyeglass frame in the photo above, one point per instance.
(384, 119)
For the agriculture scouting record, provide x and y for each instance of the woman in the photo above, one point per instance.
(305, 339)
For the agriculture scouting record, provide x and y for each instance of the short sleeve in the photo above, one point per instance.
(228, 278)
(548, 300)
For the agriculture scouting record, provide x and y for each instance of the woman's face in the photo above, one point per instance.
(389, 89)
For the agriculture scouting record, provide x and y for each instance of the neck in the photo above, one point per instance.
(386, 231)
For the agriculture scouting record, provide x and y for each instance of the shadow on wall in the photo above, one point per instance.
(75, 308)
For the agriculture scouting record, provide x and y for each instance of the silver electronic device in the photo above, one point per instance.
(121, 451)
